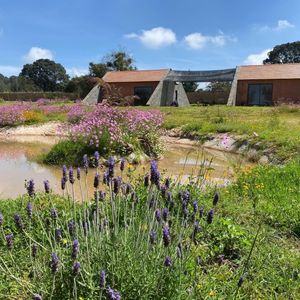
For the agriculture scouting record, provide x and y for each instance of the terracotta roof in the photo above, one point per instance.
(275, 71)
(135, 76)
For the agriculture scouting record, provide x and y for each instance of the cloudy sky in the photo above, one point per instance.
(187, 35)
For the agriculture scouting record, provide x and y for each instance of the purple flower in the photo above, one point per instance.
(37, 297)
(210, 216)
(102, 195)
(29, 210)
(122, 164)
(9, 241)
(85, 163)
(71, 175)
(216, 198)
(54, 214)
(195, 206)
(1, 219)
(106, 178)
(47, 186)
(168, 261)
(64, 173)
(163, 191)
(85, 227)
(169, 197)
(157, 215)
(166, 236)
(63, 183)
(146, 180)
(58, 235)
(112, 294)
(30, 188)
(127, 188)
(71, 227)
(152, 237)
(54, 264)
(34, 249)
(111, 166)
(76, 268)
(78, 173)
(197, 229)
(167, 183)
(96, 180)
(18, 221)
(75, 249)
(165, 214)
(185, 212)
(102, 279)
(97, 157)
(241, 281)
(117, 183)
(154, 173)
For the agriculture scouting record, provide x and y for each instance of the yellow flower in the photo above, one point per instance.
(65, 241)
(212, 293)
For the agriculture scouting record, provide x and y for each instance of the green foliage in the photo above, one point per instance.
(219, 86)
(46, 74)
(81, 86)
(190, 86)
(284, 54)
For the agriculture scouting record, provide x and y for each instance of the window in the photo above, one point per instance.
(144, 93)
(260, 94)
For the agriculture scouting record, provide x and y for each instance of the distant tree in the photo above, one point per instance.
(46, 74)
(284, 54)
(219, 86)
(114, 61)
(190, 86)
(17, 84)
(80, 85)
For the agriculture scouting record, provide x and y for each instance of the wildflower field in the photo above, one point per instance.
(151, 237)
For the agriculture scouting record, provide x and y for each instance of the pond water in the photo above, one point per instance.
(17, 164)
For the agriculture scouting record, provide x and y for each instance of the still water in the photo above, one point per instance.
(180, 161)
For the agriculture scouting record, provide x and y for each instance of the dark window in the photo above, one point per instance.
(260, 94)
(144, 93)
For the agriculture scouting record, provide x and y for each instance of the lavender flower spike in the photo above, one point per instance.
(96, 180)
(97, 158)
(76, 268)
(30, 188)
(64, 173)
(34, 249)
(210, 216)
(37, 297)
(168, 261)
(18, 221)
(102, 279)
(78, 173)
(54, 265)
(122, 164)
(1, 219)
(152, 236)
(85, 163)
(29, 210)
(71, 175)
(63, 183)
(166, 236)
(111, 165)
(9, 241)
(112, 294)
(75, 249)
(47, 186)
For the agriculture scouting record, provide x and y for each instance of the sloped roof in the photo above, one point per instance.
(272, 71)
(135, 76)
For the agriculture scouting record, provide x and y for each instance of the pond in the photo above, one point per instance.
(18, 154)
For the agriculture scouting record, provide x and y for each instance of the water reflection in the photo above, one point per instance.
(180, 161)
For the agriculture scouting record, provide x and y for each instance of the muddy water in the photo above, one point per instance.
(180, 161)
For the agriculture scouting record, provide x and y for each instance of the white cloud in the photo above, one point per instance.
(155, 38)
(257, 59)
(281, 25)
(9, 70)
(76, 72)
(197, 40)
(36, 53)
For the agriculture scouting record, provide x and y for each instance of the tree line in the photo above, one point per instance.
(48, 76)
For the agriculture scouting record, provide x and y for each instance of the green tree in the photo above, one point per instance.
(114, 61)
(190, 86)
(219, 86)
(46, 74)
(80, 85)
(284, 54)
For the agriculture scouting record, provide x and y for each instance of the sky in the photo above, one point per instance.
(182, 35)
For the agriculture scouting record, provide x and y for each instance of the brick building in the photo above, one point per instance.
(268, 84)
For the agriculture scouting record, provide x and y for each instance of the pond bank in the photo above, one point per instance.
(251, 147)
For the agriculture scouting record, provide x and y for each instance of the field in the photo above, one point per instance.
(154, 238)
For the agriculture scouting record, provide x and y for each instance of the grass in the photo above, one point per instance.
(260, 204)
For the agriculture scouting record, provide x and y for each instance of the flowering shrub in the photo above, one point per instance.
(76, 113)
(11, 115)
(116, 129)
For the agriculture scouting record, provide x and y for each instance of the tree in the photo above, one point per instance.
(190, 86)
(219, 86)
(115, 61)
(46, 74)
(80, 85)
(284, 54)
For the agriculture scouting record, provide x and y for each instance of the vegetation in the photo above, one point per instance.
(154, 238)
(284, 54)
(276, 128)
(46, 74)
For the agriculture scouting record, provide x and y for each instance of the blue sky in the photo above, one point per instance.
(188, 35)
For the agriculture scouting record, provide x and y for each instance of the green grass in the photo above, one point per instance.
(264, 200)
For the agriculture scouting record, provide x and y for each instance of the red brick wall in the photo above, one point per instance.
(127, 88)
(284, 90)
